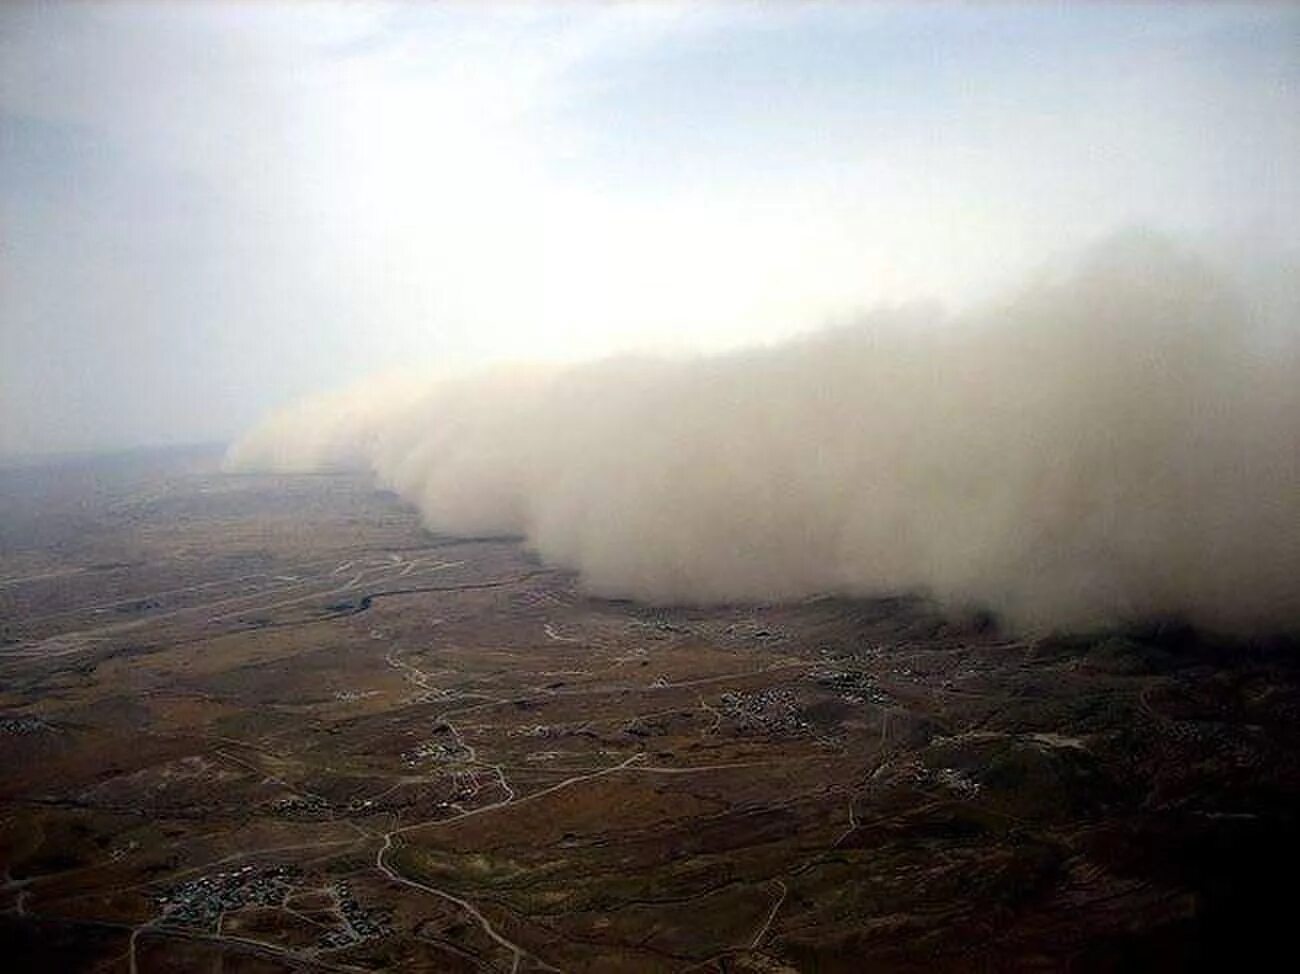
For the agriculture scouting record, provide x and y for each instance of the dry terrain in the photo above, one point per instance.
(269, 723)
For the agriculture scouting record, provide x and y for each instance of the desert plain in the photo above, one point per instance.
(269, 723)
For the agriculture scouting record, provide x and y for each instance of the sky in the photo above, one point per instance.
(208, 210)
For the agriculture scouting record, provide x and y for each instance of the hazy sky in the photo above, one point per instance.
(208, 210)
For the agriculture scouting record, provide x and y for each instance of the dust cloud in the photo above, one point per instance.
(1107, 443)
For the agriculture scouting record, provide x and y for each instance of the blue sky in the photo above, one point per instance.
(208, 209)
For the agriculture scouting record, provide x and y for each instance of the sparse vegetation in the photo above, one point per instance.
(203, 756)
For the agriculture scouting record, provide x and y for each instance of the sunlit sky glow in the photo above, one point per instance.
(209, 209)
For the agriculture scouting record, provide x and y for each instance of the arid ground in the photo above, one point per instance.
(270, 723)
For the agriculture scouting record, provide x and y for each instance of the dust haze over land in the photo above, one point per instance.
(211, 209)
(1108, 443)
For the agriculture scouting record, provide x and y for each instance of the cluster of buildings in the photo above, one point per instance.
(22, 725)
(201, 901)
(359, 923)
(851, 685)
(438, 752)
(294, 805)
(774, 710)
